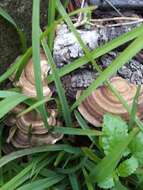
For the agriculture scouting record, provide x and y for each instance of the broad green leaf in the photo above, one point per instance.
(108, 164)
(108, 183)
(115, 130)
(136, 148)
(128, 167)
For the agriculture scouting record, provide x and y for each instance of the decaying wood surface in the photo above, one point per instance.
(67, 49)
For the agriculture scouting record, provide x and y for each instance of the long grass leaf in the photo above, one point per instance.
(83, 124)
(27, 172)
(22, 36)
(74, 181)
(10, 102)
(42, 183)
(1, 170)
(60, 90)
(88, 183)
(47, 148)
(91, 155)
(36, 57)
(8, 93)
(134, 107)
(33, 106)
(10, 71)
(76, 131)
(51, 19)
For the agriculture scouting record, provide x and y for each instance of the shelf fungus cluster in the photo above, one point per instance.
(29, 130)
(102, 101)
(27, 80)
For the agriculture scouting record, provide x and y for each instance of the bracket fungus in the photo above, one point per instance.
(102, 100)
(29, 130)
(27, 79)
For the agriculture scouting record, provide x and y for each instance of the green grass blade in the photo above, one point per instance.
(71, 170)
(65, 3)
(22, 62)
(74, 181)
(17, 180)
(33, 106)
(51, 19)
(91, 155)
(123, 58)
(59, 158)
(1, 170)
(7, 93)
(5, 15)
(47, 148)
(60, 90)
(10, 102)
(88, 183)
(134, 107)
(42, 183)
(10, 71)
(76, 131)
(83, 123)
(22, 37)
(27, 173)
(36, 57)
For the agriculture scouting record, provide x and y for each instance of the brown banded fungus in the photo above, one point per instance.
(27, 80)
(102, 101)
(30, 131)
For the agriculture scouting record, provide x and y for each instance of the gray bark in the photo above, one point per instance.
(67, 49)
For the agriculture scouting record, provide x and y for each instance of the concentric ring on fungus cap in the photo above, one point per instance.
(102, 101)
(30, 130)
(34, 120)
(21, 140)
(27, 80)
